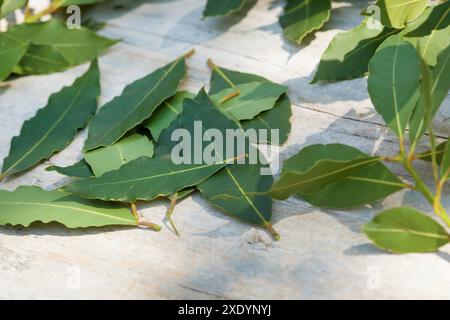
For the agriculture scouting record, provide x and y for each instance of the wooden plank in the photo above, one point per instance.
(322, 253)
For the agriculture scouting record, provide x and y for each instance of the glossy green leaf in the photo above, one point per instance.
(144, 179)
(253, 98)
(278, 118)
(301, 17)
(167, 112)
(9, 6)
(43, 60)
(11, 51)
(445, 163)
(335, 176)
(434, 95)
(66, 3)
(163, 175)
(239, 190)
(26, 205)
(136, 103)
(79, 170)
(76, 46)
(394, 82)
(430, 32)
(222, 8)
(406, 230)
(111, 158)
(54, 126)
(348, 55)
(397, 13)
(440, 149)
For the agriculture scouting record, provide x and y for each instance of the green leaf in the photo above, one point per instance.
(348, 55)
(445, 164)
(43, 60)
(406, 230)
(26, 205)
(144, 179)
(394, 82)
(149, 178)
(76, 46)
(239, 190)
(136, 103)
(397, 13)
(434, 94)
(66, 3)
(222, 8)
(253, 98)
(301, 17)
(166, 113)
(11, 51)
(111, 158)
(79, 170)
(430, 32)
(54, 126)
(9, 6)
(440, 149)
(335, 176)
(278, 118)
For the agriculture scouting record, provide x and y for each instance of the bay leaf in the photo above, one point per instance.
(125, 150)
(348, 55)
(394, 82)
(161, 176)
(335, 176)
(79, 170)
(26, 205)
(276, 118)
(222, 8)
(136, 104)
(9, 6)
(302, 17)
(42, 60)
(77, 46)
(240, 191)
(166, 113)
(430, 32)
(54, 126)
(397, 13)
(406, 230)
(11, 51)
(253, 98)
(438, 90)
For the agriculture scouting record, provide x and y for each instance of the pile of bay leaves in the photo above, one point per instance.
(128, 152)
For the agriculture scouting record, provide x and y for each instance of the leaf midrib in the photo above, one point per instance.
(161, 175)
(322, 176)
(65, 207)
(45, 136)
(136, 106)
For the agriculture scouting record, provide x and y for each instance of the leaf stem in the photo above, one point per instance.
(437, 205)
(274, 233)
(150, 225)
(134, 210)
(421, 187)
(173, 203)
(189, 54)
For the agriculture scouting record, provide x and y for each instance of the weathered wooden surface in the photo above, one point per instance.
(322, 253)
